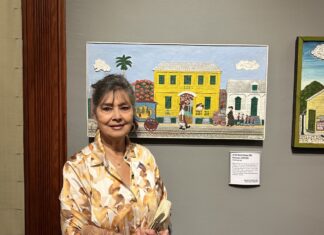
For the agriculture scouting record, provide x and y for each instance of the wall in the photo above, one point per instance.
(11, 120)
(290, 198)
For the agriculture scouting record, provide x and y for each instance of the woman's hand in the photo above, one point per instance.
(145, 231)
(93, 230)
(164, 232)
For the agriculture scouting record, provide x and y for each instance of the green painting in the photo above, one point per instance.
(308, 129)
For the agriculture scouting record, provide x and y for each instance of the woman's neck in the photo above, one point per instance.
(118, 147)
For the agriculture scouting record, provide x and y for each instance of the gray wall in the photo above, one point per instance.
(290, 198)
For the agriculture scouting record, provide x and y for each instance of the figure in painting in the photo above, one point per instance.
(238, 116)
(230, 116)
(247, 119)
(182, 117)
(184, 113)
(242, 119)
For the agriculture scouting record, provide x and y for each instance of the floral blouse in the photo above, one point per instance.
(93, 192)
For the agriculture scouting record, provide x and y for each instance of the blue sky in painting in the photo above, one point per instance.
(312, 67)
(147, 56)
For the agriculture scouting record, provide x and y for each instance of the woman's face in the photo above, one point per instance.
(114, 115)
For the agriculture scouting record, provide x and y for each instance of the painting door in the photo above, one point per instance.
(254, 106)
(311, 120)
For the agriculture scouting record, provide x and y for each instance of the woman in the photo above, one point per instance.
(112, 186)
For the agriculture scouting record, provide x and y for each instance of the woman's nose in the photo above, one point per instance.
(116, 113)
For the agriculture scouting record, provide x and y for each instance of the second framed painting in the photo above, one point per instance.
(187, 91)
(308, 130)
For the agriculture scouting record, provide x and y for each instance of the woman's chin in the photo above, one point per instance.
(116, 132)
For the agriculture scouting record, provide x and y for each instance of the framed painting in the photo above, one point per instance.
(188, 91)
(308, 130)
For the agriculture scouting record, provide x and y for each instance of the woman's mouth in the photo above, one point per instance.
(116, 127)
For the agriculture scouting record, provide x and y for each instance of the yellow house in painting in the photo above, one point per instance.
(315, 113)
(193, 87)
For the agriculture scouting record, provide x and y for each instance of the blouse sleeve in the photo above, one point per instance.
(160, 187)
(75, 206)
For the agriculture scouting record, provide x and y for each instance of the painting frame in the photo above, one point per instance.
(308, 115)
(165, 116)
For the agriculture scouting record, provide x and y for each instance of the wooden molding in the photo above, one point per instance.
(44, 95)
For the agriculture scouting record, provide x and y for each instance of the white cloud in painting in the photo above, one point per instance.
(101, 65)
(319, 51)
(247, 65)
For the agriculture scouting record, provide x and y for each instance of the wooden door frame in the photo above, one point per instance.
(44, 101)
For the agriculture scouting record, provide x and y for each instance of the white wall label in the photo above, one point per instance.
(245, 168)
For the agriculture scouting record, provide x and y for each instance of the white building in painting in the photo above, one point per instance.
(247, 97)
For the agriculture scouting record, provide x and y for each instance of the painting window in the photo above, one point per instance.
(173, 79)
(187, 79)
(212, 80)
(238, 102)
(161, 79)
(254, 87)
(207, 103)
(200, 79)
(168, 100)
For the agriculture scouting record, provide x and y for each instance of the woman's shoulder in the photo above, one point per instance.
(143, 153)
(141, 149)
(83, 157)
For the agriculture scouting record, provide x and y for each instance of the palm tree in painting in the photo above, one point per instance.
(123, 62)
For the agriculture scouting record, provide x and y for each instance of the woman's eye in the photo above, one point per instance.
(106, 108)
(125, 108)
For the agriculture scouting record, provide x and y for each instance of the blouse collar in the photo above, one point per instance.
(98, 157)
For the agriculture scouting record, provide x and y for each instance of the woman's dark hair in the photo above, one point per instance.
(112, 82)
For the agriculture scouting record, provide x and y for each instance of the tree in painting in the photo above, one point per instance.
(123, 62)
(307, 92)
